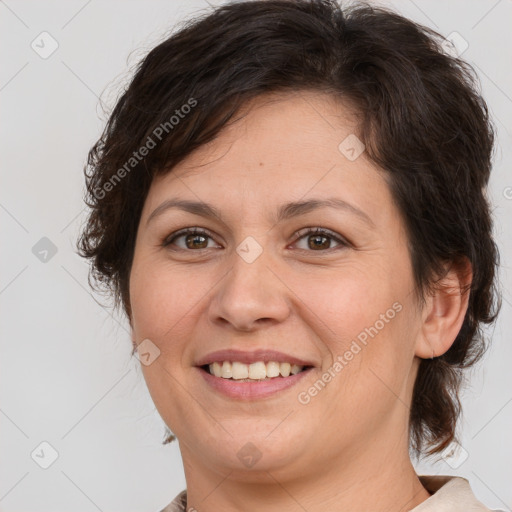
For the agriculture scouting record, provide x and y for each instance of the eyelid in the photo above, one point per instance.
(317, 229)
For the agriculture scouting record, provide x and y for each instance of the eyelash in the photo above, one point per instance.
(300, 234)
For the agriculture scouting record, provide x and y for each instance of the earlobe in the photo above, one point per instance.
(444, 311)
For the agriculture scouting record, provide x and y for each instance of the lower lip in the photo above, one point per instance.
(252, 390)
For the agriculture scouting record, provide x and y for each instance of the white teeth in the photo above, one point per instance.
(272, 369)
(227, 371)
(295, 369)
(254, 371)
(240, 371)
(216, 369)
(284, 369)
(257, 370)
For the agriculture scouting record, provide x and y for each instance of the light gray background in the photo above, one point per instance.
(66, 373)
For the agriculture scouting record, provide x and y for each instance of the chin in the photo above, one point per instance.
(249, 455)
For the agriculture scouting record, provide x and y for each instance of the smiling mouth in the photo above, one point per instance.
(254, 372)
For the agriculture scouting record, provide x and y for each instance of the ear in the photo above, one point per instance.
(445, 310)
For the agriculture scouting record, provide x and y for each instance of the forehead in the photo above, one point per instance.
(280, 128)
(280, 147)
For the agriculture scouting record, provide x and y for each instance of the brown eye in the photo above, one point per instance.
(194, 239)
(320, 239)
(318, 242)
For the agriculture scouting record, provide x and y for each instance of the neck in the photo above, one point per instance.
(355, 481)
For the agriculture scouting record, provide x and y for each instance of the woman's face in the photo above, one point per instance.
(341, 302)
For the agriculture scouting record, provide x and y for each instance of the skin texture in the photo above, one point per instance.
(347, 449)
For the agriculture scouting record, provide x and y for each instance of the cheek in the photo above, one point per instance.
(162, 311)
(350, 303)
(379, 359)
(372, 330)
(160, 299)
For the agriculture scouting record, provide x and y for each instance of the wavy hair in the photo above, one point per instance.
(422, 119)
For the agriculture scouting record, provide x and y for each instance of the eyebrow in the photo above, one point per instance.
(285, 211)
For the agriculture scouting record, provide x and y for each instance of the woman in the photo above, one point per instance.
(289, 203)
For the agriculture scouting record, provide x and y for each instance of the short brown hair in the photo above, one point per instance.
(422, 120)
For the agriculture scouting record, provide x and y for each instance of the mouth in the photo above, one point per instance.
(250, 376)
(258, 371)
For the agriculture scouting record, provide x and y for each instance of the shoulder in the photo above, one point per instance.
(178, 504)
(450, 494)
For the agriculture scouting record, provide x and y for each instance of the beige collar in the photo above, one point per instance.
(449, 494)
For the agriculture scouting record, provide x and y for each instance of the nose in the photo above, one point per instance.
(250, 296)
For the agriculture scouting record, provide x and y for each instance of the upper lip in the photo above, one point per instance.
(254, 356)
